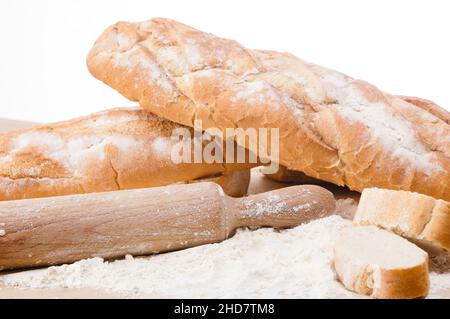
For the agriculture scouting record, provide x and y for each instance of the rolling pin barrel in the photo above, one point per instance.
(57, 230)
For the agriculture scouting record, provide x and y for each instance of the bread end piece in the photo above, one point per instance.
(380, 264)
(420, 218)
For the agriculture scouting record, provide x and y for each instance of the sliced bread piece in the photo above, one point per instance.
(420, 218)
(380, 264)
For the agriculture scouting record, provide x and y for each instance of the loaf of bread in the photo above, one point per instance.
(120, 148)
(233, 183)
(377, 263)
(289, 176)
(428, 106)
(285, 175)
(332, 127)
(420, 218)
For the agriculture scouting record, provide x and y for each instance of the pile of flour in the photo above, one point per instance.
(293, 263)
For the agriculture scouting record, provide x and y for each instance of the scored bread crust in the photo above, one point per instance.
(417, 217)
(288, 176)
(332, 127)
(121, 148)
(428, 106)
(376, 279)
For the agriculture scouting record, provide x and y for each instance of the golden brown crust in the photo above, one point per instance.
(408, 283)
(438, 228)
(332, 127)
(285, 175)
(428, 106)
(121, 148)
(234, 184)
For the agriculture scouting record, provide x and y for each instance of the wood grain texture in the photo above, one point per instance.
(64, 229)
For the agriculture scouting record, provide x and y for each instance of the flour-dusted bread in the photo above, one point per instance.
(120, 148)
(428, 106)
(332, 127)
(289, 176)
(380, 264)
(418, 217)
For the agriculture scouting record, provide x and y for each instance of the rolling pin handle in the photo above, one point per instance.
(284, 208)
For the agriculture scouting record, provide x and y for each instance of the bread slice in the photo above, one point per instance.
(420, 218)
(380, 264)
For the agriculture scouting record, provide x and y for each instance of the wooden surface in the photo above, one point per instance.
(7, 125)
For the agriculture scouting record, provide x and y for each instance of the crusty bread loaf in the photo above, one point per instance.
(289, 176)
(418, 217)
(377, 263)
(428, 106)
(332, 127)
(121, 148)
(233, 183)
(285, 175)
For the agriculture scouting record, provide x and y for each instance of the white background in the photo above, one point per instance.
(401, 46)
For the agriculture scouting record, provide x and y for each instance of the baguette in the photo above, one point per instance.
(285, 175)
(234, 183)
(122, 148)
(377, 263)
(428, 106)
(332, 127)
(420, 218)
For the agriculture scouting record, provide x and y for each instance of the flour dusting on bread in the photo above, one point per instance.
(332, 127)
(124, 148)
(153, 73)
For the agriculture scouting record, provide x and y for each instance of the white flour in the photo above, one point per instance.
(391, 130)
(260, 264)
(294, 263)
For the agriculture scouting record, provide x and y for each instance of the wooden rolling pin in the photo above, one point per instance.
(57, 230)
